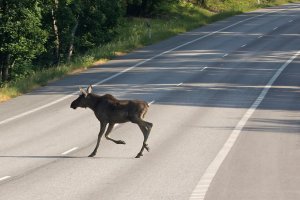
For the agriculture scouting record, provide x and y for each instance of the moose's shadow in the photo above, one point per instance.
(66, 157)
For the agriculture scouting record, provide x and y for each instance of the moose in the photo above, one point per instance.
(110, 110)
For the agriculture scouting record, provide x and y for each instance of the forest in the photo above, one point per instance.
(38, 35)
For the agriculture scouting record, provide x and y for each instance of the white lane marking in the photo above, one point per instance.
(260, 36)
(244, 45)
(152, 102)
(179, 84)
(275, 28)
(203, 69)
(37, 109)
(242, 69)
(132, 67)
(202, 187)
(226, 54)
(291, 20)
(5, 178)
(69, 151)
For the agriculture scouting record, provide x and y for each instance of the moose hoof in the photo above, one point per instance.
(139, 155)
(120, 142)
(92, 155)
(147, 147)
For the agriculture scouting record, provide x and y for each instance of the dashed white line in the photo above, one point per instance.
(244, 45)
(275, 28)
(260, 36)
(5, 178)
(179, 84)
(202, 187)
(226, 54)
(291, 20)
(69, 151)
(132, 67)
(152, 102)
(203, 69)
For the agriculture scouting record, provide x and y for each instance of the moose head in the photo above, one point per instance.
(83, 100)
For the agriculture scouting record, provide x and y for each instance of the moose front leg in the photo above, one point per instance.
(102, 129)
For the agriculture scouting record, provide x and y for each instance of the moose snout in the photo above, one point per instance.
(73, 105)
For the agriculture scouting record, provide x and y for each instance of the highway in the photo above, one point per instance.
(224, 101)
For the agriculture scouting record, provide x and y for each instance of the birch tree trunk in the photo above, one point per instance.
(55, 30)
(5, 67)
(71, 48)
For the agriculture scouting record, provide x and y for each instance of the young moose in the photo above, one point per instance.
(109, 110)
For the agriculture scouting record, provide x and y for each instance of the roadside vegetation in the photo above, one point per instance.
(44, 40)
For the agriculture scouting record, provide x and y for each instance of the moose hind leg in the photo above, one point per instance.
(109, 129)
(145, 145)
(148, 126)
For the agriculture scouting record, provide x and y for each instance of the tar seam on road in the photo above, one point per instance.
(202, 187)
(132, 67)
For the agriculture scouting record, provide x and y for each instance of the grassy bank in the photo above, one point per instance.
(134, 34)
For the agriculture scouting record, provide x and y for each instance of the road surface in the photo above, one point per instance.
(225, 108)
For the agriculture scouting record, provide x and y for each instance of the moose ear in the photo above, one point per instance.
(89, 89)
(83, 91)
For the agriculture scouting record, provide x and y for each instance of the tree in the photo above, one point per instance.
(58, 19)
(198, 2)
(76, 26)
(145, 7)
(96, 23)
(22, 38)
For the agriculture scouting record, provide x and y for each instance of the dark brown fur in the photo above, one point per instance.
(110, 110)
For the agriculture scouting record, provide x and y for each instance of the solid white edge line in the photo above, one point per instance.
(201, 188)
(5, 178)
(69, 151)
(36, 109)
(132, 67)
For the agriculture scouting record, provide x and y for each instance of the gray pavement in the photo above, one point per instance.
(202, 83)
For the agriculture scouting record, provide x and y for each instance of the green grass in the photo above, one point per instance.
(134, 34)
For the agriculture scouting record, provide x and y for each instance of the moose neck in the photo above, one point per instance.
(92, 101)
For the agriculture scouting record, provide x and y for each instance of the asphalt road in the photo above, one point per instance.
(225, 108)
